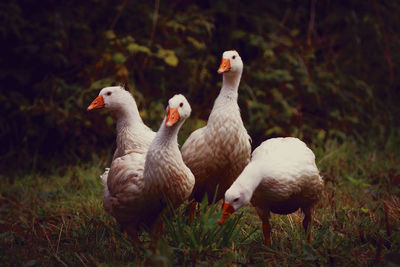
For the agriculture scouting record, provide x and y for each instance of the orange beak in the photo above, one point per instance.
(97, 103)
(225, 66)
(172, 117)
(227, 209)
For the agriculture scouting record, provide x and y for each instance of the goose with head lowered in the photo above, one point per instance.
(123, 181)
(281, 177)
(218, 152)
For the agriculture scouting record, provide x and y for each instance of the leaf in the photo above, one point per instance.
(110, 34)
(123, 72)
(195, 43)
(109, 121)
(176, 26)
(136, 48)
(128, 39)
(238, 34)
(119, 58)
(364, 210)
(276, 130)
(321, 135)
(171, 60)
(357, 182)
(198, 123)
(258, 41)
(269, 53)
(168, 55)
(294, 32)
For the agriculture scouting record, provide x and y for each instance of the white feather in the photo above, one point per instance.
(124, 196)
(281, 169)
(218, 152)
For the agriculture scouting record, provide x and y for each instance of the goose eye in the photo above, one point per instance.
(109, 93)
(181, 104)
(233, 57)
(236, 199)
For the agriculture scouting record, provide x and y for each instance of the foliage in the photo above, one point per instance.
(312, 69)
(324, 71)
(59, 220)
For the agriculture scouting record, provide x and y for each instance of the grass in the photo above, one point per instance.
(59, 220)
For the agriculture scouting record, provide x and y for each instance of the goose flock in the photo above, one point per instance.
(149, 175)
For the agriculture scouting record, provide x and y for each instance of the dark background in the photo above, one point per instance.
(313, 69)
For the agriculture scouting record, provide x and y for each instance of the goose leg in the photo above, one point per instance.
(158, 228)
(136, 239)
(192, 208)
(306, 222)
(266, 226)
(132, 233)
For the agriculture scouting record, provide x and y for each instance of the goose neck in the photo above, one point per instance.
(127, 118)
(250, 177)
(167, 136)
(231, 80)
(130, 130)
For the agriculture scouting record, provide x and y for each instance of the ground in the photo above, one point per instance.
(58, 219)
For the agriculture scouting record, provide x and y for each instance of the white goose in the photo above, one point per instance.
(218, 152)
(132, 133)
(139, 182)
(167, 177)
(123, 182)
(281, 177)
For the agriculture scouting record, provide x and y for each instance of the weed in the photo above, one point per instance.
(59, 220)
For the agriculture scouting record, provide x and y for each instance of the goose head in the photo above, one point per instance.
(231, 63)
(113, 98)
(235, 198)
(178, 110)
